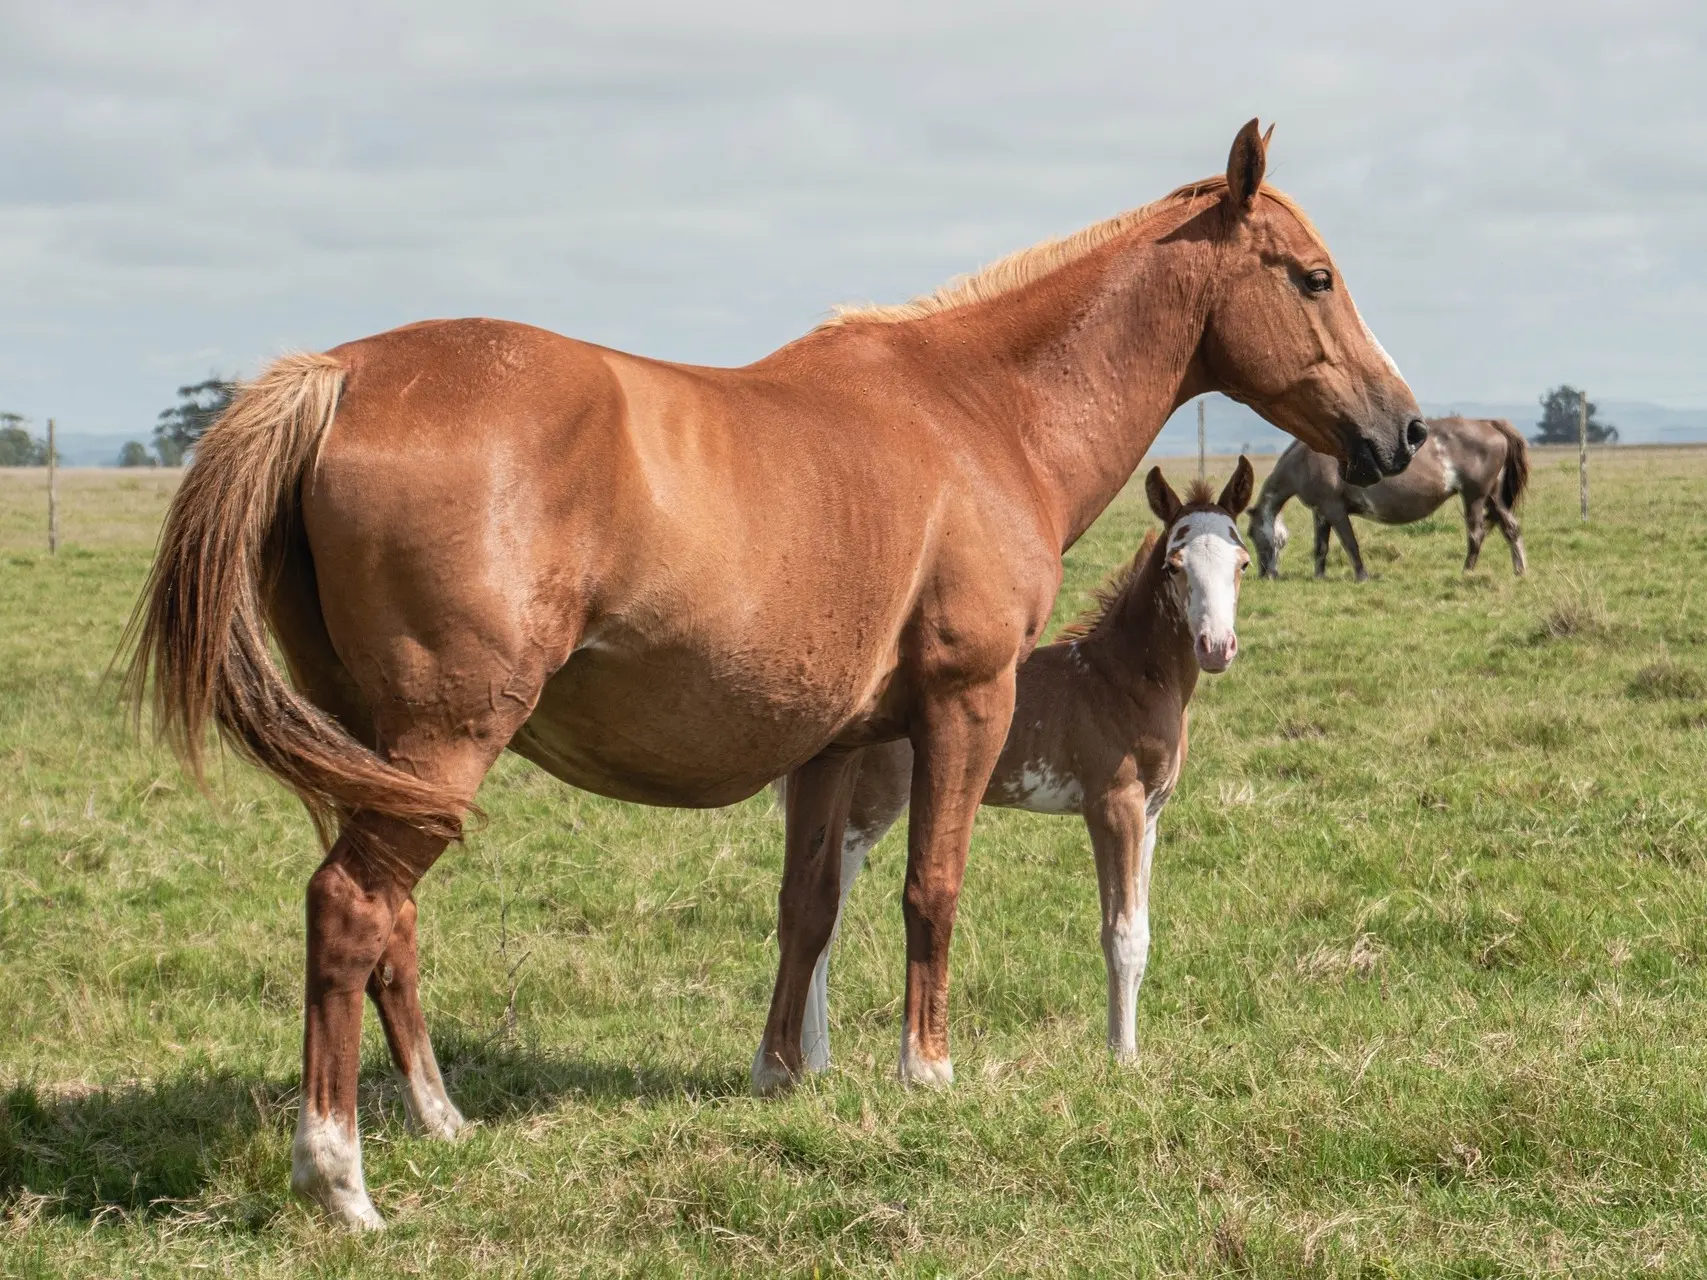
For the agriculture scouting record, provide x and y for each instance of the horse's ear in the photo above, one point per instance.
(1267, 136)
(1163, 500)
(1237, 495)
(1246, 164)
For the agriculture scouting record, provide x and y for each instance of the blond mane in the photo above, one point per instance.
(1026, 266)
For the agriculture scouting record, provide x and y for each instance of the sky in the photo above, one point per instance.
(1515, 193)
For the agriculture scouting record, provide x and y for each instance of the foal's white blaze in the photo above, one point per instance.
(326, 1167)
(1206, 545)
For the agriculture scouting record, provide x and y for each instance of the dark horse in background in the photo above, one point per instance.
(1483, 460)
(673, 584)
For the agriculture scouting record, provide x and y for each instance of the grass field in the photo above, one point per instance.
(1427, 995)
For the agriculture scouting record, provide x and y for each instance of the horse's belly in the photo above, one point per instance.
(677, 729)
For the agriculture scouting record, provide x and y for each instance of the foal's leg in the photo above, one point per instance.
(394, 988)
(880, 796)
(1323, 531)
(819, 793)
(957, 739)
(1124, 842)
(1475, 528)
(1513, 534)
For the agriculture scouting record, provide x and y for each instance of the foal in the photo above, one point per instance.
(1483, 460)
(1099, 729)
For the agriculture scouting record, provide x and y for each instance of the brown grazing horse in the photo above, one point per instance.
(673, 584)
(1099, 729)
(1483, 460)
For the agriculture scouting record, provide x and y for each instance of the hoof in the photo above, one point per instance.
(435, 1118)
(326, 1170)
(770, 1078)
(931, 1073)
(1124, 1055)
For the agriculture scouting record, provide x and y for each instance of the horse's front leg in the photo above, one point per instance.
(818, 796)
(957, 739)
(1124, 842)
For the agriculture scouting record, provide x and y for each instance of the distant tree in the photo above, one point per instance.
(1560, 409)
(178, 428)
(18, 448)
(135, 454)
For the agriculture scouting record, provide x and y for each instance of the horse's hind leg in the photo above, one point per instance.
(1513, 534)
(354, 902)
(361, 917)
(394, 988)
(1323, 532)
(1475, 528)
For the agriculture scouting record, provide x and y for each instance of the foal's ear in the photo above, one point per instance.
(1246, 164)
(1163, 500)
(1237, 495)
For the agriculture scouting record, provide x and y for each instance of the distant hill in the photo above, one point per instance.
(1232, 428)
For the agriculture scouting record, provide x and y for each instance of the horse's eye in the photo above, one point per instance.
(1319, 281)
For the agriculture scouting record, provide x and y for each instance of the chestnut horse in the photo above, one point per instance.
(1483, 460)
(1099, 730)
(673, 584)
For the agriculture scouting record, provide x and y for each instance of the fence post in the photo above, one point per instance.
(1582, 452)
(1202, 444)
(52, 491)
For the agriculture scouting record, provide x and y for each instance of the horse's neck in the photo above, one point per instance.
(1279, 489)
(1093, 359)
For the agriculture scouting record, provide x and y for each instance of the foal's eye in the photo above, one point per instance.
(1319, 281)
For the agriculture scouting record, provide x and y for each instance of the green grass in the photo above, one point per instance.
(1426, 996)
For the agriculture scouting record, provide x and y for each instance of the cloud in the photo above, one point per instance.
(1514, 192)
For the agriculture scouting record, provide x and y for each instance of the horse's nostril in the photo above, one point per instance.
(1416, 432)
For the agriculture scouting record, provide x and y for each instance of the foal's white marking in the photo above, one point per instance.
(431, 1112)
(326, 1167)
(1039, 789)
(1208, 545)
(1127, 953)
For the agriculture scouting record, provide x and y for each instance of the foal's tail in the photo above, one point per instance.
(1514, 476)
(200, 627)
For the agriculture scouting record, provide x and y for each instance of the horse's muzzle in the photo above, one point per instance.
(1366, 461)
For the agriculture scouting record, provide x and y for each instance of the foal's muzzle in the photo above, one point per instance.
(1215, 653)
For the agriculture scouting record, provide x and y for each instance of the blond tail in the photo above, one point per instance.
(200, 628)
